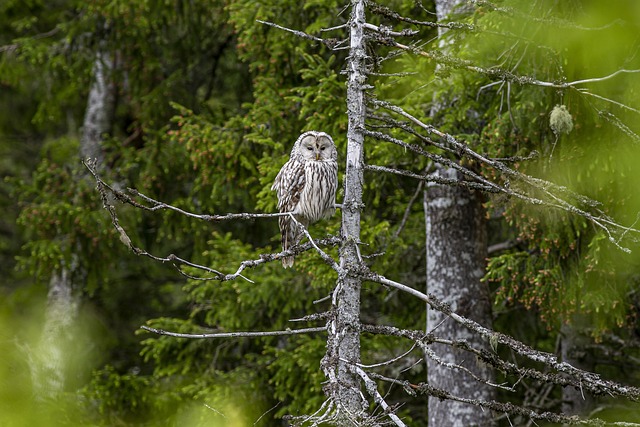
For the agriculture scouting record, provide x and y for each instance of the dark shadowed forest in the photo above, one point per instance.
(482, 266)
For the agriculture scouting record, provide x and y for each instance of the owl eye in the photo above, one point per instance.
(323, 147)
(310, 148)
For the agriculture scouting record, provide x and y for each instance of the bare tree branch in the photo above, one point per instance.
(390, 361)
(385, 11)
(553, 192)
(326, 258)
(588, 380)
(176, 261)
(499, 407)
(157, 205)
(330, 43)
(235, 334)
(433, 178)
(601, 79)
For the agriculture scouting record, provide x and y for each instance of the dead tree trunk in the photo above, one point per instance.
(343, 347)
(49, 366)
(99, 112)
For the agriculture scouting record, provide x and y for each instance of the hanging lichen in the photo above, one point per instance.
(560, 120)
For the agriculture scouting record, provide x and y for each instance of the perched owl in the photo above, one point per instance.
(306, 185)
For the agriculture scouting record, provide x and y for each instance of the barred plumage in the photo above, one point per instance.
(306, 186)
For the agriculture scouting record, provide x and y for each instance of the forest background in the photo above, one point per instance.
(197, 104)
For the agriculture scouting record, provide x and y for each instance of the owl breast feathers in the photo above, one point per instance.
(306, 186)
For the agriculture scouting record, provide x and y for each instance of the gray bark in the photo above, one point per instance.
(456, 252)
(572, 351)
(99, 111)
(49, 367)
(343, 347)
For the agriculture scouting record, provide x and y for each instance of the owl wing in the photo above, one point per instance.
(288, 185)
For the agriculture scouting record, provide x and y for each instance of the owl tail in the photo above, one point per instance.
(291, 236)
(289, 239)
(287, 261)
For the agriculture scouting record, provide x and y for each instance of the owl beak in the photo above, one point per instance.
(317, 156)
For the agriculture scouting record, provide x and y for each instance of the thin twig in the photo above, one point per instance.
(390, 361)
(157, 205)
(600, 79)
(330, 43)
(330, 261)
(266, 412)
(407, 211)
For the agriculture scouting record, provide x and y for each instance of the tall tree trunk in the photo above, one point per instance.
(343, 343)
(343, 346)
(456, 252)
(49, 365)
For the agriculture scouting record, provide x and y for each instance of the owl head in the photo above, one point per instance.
(315, 146)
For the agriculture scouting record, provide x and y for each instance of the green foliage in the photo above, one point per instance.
(58, 218)
(209, 104)
(300, 358)
(553, 268)
(25, 353)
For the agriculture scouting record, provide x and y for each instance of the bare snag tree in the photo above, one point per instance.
(353, 386)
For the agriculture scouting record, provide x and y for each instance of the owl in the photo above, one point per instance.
(306, 186)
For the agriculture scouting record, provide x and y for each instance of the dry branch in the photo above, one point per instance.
(584, 379)
(553, 195)
(105, 190)
(250, 334)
